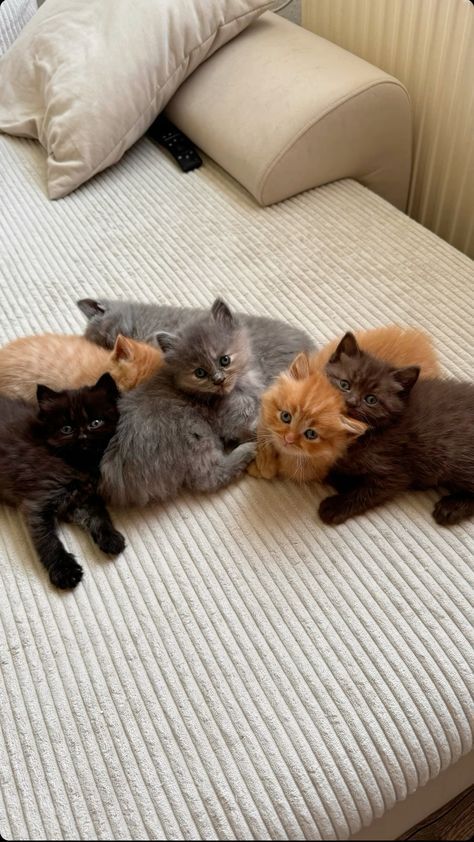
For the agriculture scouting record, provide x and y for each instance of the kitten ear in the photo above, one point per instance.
(90, 307)
(107, 384)
(299, 368)
(123, 349)
(166, 341)
(352, 426)
(348, 345)
(221, 313)
(45, 395)
(406, 377)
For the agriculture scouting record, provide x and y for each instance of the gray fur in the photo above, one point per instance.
(231, 391)
(106, 319)
(172, 428)
(274, 343)
(165, 442)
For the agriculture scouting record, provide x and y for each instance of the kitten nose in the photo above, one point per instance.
(289, 438)
(218, 377)
(82, 436)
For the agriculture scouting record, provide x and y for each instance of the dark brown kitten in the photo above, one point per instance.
(373, 391)
(422, 436)
(49, 467)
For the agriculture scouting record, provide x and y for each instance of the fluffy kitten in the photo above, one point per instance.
(106, 319)
(49, 467)
(421, 436)
(399, 346)
(273, 343)
(371, 388)
(166, 441)
(303, 427)
(215, 356)
(69, 362)
(172, 429)
(210, 361)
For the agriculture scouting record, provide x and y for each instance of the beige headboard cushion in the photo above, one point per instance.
(283, 110)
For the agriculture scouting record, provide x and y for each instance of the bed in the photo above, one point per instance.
(241, 671)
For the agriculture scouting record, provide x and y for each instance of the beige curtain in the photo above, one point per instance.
(429, 46)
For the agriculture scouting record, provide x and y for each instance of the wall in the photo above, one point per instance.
(429, 46)
(293, 11)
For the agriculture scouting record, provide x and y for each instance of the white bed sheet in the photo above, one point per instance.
(241, 671)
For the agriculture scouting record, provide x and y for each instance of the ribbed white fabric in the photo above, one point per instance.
(242, 671)
(14, 14)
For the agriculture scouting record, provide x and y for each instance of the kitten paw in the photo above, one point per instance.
(246, 453)
(111, 542)
(65, 572)
(332, 510)
(453, 509)
(253, 470)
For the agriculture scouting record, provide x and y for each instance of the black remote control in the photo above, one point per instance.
(166, 134)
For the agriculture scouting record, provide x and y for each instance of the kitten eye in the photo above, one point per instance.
(344, 385)
(97, 422)
(310, 434)
(371, 400)
(224, 361)
(200, 373)
(66, 430)
(285, 416)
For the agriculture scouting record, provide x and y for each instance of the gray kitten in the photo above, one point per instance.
(210, 360)
(171, 430)
(274, 343)
(171, 427)
(195, 343)
(106, 319)
(165, 443)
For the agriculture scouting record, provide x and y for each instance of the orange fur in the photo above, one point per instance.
(399, 346)
(69, 362)
(313, 404)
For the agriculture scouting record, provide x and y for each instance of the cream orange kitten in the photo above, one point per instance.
(399, 346)
(70, 362)
(303, 427)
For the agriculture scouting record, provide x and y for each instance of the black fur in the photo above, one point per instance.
(51, 472)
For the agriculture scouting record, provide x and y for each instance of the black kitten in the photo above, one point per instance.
(77, 424)
(421, 436)
(49, 467)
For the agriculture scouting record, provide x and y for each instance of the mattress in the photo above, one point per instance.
(241, 671)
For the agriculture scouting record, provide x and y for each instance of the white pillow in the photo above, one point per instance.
(14, 14)
(87, 77)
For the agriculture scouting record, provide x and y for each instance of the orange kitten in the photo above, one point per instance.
(396, 345)
(303, 427)
(69, 362)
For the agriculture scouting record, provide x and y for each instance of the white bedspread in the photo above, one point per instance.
(241, 671)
